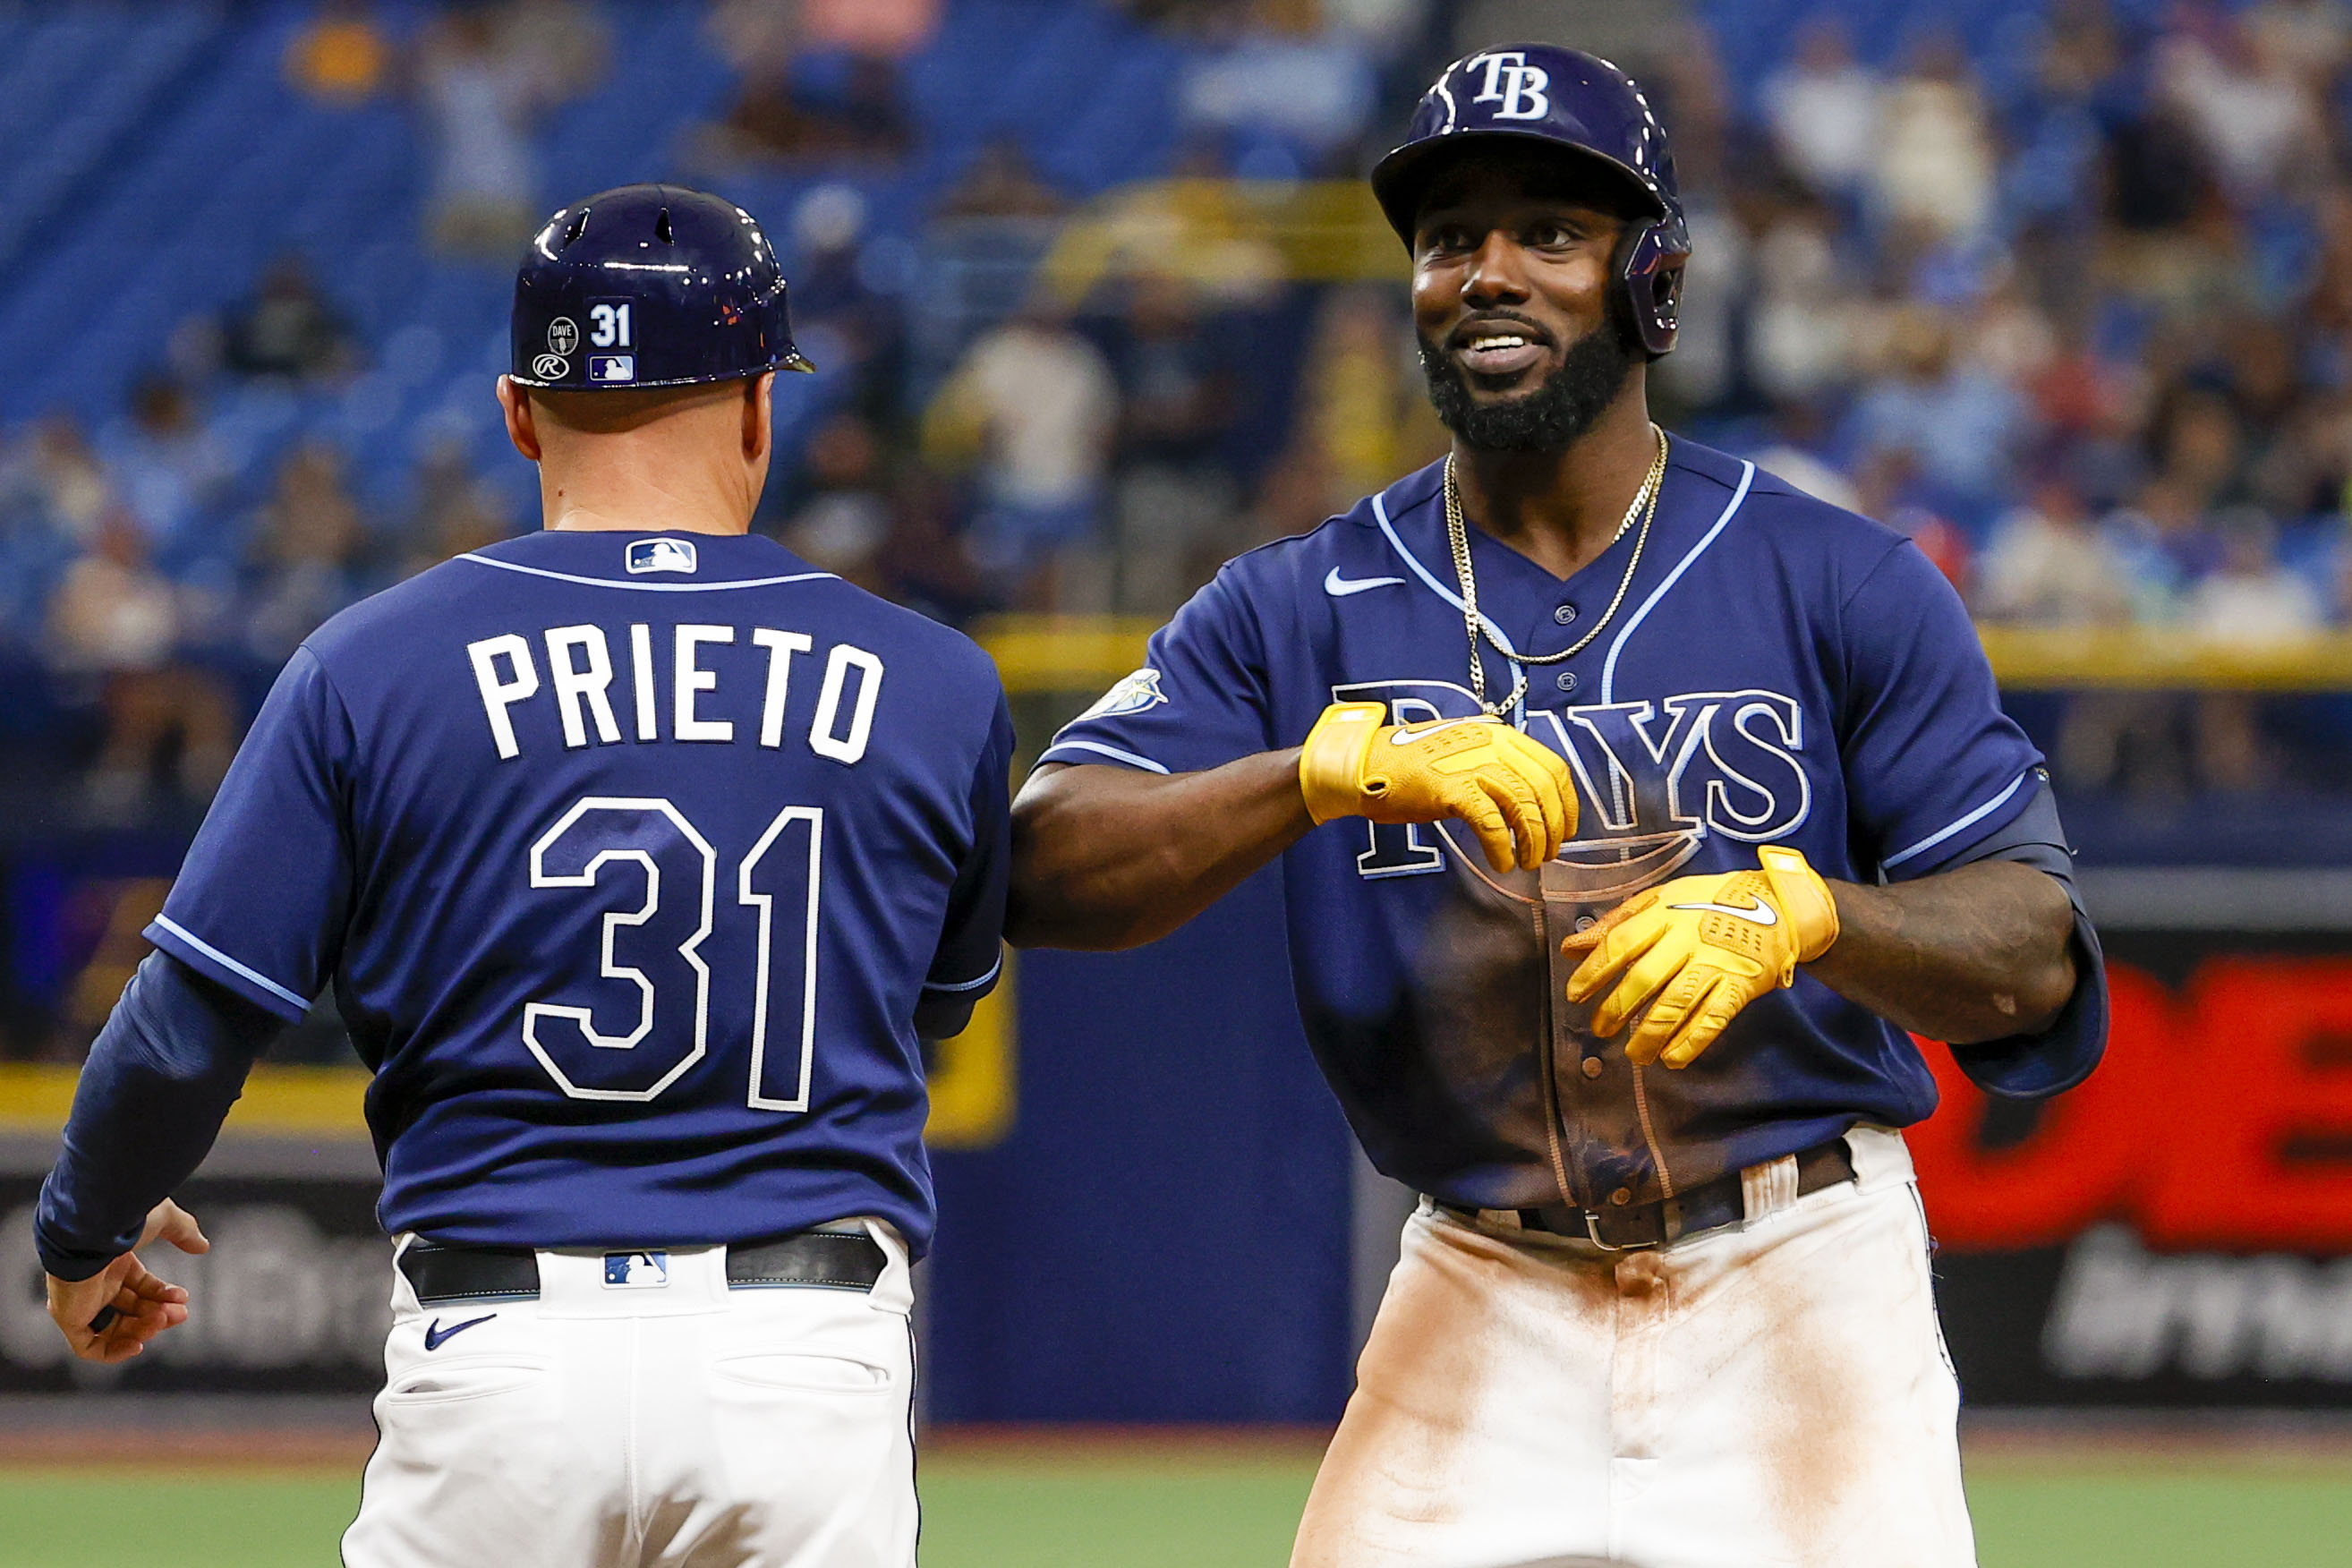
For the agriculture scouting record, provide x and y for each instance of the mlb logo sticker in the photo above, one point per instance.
(661, 555)
(612, 367)
(636, 1270)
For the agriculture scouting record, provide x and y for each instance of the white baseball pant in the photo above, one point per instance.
(679, 1425)
(1772, 1394)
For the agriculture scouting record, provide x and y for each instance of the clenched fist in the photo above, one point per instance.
(1516, 793)
(1698, 949)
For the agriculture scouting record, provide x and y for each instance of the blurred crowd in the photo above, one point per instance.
(2070, 302)
(159, 601)
(2073, 311)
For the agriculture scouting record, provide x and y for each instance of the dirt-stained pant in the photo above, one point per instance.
(1773, 1394)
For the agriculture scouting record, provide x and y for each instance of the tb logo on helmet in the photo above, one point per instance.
(1516, 85)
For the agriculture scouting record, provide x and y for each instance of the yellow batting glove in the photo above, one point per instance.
(1698, 949)
(1516, 793)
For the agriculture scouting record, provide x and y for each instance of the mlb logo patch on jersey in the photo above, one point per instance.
(636, 1270)
(1133, 694)
(661, 555)
(612, 367)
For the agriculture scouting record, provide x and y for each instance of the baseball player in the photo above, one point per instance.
(1631, 807)
(640, 855)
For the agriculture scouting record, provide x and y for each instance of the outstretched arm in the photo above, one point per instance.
(1979, 953)
(1105, 858)
(1108, 857)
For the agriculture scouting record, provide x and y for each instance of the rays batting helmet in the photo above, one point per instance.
(1586, 108)
(649, 286)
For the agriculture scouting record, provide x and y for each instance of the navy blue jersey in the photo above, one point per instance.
(1779, 673)
(632, 860)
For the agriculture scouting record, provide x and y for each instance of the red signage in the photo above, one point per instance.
(2222, 1119)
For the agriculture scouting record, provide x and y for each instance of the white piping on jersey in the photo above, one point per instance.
(993, 971)
(1107, 751)
(1609, 664)
(1977, 815)
(1381, 516)
(641, 587)
(1617, 780)
(225, 961)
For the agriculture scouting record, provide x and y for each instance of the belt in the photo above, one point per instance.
(827, 1259)
(1711, 1205)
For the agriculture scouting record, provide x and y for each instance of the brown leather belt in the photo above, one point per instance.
(1711, 1205)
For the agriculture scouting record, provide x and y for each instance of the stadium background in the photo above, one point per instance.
(2063, 289)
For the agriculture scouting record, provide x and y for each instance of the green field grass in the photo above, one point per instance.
(1199, 1512)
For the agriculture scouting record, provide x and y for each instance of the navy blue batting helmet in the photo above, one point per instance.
(649, 286)
(1585, 107)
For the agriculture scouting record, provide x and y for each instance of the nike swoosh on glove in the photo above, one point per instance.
(1696, 949)
(1516, 793)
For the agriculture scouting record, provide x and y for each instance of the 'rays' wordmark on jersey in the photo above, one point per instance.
(1780, 672)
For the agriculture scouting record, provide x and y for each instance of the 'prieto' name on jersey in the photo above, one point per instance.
(677, 704)
(638, 865)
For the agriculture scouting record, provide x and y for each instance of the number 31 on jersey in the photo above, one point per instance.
(654, 950)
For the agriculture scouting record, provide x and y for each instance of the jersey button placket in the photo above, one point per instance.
(1565, 680)
(1565, 615)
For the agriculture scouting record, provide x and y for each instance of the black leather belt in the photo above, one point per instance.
(826, 1259)
(1711, 1205)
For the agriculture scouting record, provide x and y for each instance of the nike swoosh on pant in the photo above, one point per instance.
(436, 1336)
(1763, 914)
(1339, 587)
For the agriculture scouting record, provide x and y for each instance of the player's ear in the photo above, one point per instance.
(759, 416)
(522, 429)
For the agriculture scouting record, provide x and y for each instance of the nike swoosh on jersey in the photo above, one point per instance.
(1763, 914)
(1339, 587)
(437, 1336)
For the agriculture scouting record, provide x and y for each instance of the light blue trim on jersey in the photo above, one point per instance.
(993, 971)
(643, 587)
(1381, 516)
(1609, 664)
(231, 964)
(1978, 814)
(1129, 757)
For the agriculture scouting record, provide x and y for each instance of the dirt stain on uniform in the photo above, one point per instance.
(1816, 1421)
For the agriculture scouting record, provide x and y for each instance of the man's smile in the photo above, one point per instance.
(1498, 346)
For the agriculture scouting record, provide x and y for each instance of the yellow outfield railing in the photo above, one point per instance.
(279, 1101)
(1226, 236)
(971, 1084)
(2036, 658)
(1064, 653)
(974, 1081)
(1085, 653)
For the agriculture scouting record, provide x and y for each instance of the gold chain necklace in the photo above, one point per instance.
(1457, 534)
